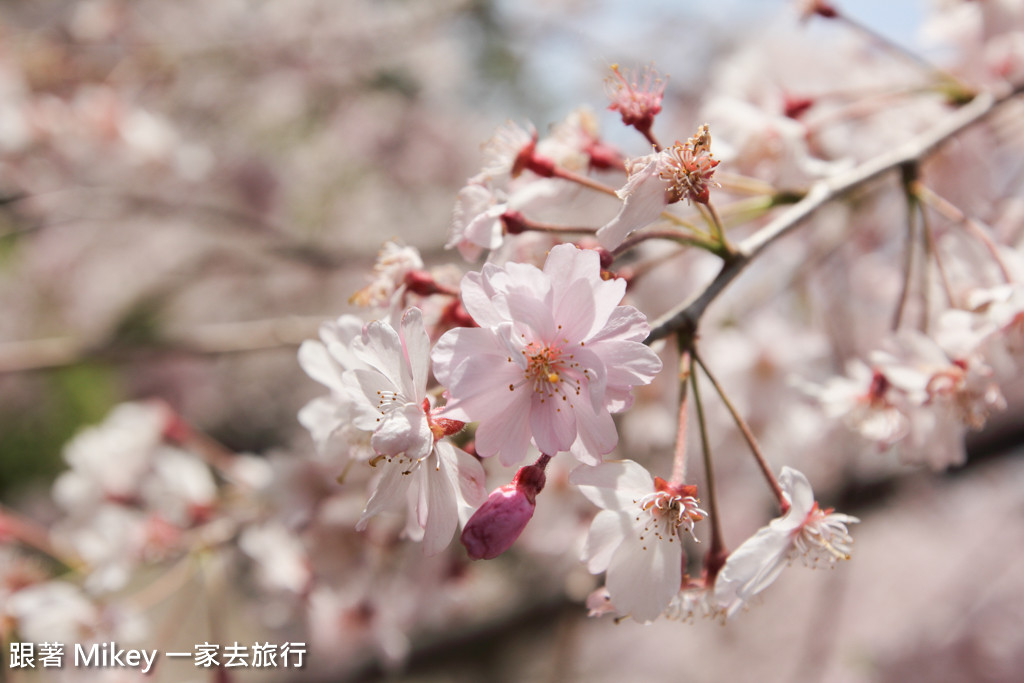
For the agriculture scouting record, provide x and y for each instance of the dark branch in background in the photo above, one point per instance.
(685, 317)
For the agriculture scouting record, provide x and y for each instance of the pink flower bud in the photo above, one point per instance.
(497, 524)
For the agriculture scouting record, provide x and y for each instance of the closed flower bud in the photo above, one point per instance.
(497, 524)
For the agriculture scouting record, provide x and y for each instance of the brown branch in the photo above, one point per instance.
(687, 315)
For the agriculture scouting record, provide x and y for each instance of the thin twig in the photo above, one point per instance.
(748, 435)
(687, 315)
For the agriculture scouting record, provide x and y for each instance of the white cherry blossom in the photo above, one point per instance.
(805, 531)
(636, 536)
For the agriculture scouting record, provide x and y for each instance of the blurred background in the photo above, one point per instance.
(189, 188)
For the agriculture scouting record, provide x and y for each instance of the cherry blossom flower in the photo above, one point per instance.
(637, 97)
(635, 538)
(476, 222)
(329, 418)
(501, 519)
(553, 357)
(394, 262)
(865, 401)
(805, 531)
(433, 478)
(683, 171)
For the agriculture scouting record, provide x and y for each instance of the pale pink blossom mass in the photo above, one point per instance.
(553, 357)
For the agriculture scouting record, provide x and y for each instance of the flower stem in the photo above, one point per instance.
(952, 213)
(717, 229)
(717, 549)
(747, 435)
(679, 459)
(565, 174)
(673, 235)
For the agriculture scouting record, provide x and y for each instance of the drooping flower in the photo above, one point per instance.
(805, 531)
(636, 536)
(435, 480)
(553, 357)
(683, 171)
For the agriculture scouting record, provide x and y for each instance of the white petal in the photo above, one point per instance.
(416, 345)
(318, 364)
(606, 533)
(613, 485)
(644, 576)
(442, 518)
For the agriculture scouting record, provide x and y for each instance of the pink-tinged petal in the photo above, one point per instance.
(486, 229)
(462, 343)
(468, 473)
(403, 430)
(566, 264)
(625, 323)
(801, 497)
(478, 299)
(597, 434)
(606, 534)
(480, 388)
(751, 568)
(380, 348)
(644, 576)
(443, 516)
(613, 485)
(526, 310)
(590, 372)
(318, 364)
(552, 422)
(628, 363)
(389, 493)
(643, 201)
(574, 313)
(507, 433)
(416, 344)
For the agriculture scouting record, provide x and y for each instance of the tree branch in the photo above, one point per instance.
(685, 317)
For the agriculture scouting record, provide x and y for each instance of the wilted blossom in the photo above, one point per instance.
(553, 357)
(683, 171)
(636, 536)
(637, 97)
(805, 531)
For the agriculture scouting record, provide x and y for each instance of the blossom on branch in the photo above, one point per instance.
(635, 538)
(805, 531)
(553, 357)
(637, 97)
(683, 171)
(436, 480)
